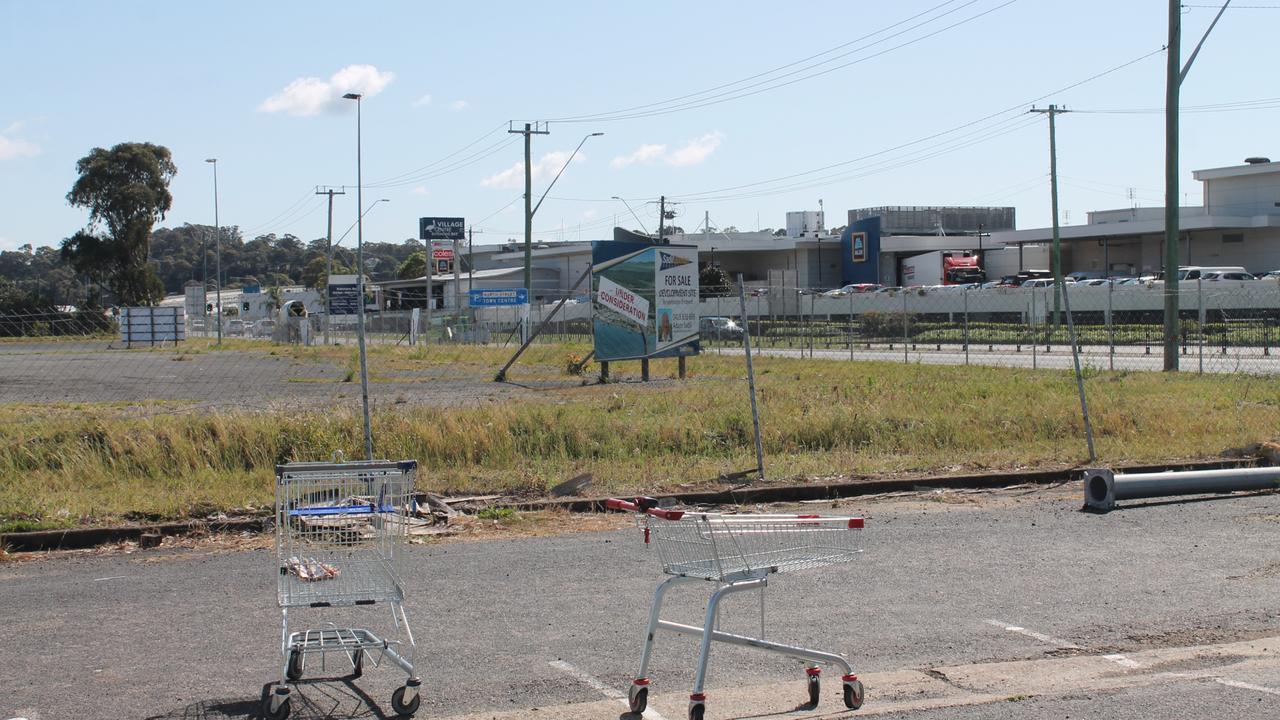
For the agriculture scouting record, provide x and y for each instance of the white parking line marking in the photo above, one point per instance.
(1049, 639)
(609, 692)
(1246, 686)
(113, 577)
(1123, 661)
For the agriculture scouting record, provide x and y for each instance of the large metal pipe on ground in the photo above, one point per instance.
(1103, 488)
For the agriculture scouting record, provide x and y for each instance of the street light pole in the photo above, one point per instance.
(217, 243)
(633, 213)
(528, 223)
(364, 365)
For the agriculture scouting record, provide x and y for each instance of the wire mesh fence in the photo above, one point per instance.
(77, 356)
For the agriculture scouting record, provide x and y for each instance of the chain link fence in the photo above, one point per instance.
(59, 356)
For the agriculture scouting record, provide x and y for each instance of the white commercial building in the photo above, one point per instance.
(1238, 225)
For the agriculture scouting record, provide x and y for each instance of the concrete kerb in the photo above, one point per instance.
(855, 488)
(79, 538)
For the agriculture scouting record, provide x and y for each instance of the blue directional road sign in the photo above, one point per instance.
(497, 297)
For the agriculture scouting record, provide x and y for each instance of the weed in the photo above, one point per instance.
(496, 513)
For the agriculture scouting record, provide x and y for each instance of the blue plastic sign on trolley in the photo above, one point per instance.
(498, 297)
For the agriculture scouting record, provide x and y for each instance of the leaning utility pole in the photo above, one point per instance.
(329, 254)
(1052, 111)
(530, 129)
(1174, 75)
(662, 215)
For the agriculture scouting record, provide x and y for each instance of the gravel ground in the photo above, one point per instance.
(195, 633)
(89, 372)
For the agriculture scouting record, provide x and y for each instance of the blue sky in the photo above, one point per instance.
(252, 84)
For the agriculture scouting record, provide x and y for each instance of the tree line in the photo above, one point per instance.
(119, 258)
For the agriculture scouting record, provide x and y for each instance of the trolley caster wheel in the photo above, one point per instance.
(854, 694)
(281, 712)
(638, 698)
(400, 706)
(697, 707)
(294, 671)
(357, 665)
(815, 687)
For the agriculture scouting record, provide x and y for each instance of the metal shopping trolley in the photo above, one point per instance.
(340, 532)
(739, 552)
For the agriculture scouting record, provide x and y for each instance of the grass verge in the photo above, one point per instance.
(80, 464)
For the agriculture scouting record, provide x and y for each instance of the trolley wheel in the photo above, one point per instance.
(294, 670)
(854, 694)
(697, 711)
(638, 698)
(281, 712)
(400, 706)
(815, 690)
(357, 668)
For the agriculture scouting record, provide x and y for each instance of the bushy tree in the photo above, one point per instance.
(126, 190)
(712, 281)
(415, 266)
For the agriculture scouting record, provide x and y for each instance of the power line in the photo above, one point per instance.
(634, 108)
(395, 178)
(776, 83)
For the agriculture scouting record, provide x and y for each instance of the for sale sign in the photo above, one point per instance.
(645, 301)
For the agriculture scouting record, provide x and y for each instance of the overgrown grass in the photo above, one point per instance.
(72, 464)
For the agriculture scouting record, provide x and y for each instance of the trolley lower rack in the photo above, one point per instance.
(738, 553)
(340, 531)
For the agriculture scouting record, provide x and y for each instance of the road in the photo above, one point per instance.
(1238, 360)
(964, 605)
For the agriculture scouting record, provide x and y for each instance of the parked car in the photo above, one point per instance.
(264, 328)
(1273, 275)
(1095, 282)
(1231, 275)
(851, 289)
(889, 289)
(720, 328)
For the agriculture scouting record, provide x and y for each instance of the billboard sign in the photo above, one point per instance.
(498, 297)
(441, 228)
(645, 300)
(344, 295)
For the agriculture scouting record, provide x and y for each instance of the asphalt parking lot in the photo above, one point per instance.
(964, 605)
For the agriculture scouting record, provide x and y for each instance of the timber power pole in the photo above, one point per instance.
(530, 129)
(662, 215)
(328, 253)
(1175, 74)
(1052, 111)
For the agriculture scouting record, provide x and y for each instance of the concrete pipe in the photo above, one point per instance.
(1102, 488)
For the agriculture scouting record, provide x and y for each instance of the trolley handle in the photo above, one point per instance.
(644, 505)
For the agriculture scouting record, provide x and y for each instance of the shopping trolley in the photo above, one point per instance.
(738, 553)
(340, 532)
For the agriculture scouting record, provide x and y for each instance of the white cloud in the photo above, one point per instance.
(692, 153)
(311, 95)
(421, 191)
(459, 105)
(544, 169)
(11, 148)
(587, 215)
(424, 100)
(643, 154)
(696, 150)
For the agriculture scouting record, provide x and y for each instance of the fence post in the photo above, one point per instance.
(1200, 313)
(1031, 321)
(813, 298)
(851, 326)
(905, 333)
(1075, 359)
(1111, 329)
(965, 292)
(751, 382)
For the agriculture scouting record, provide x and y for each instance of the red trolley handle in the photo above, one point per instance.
(643, 505)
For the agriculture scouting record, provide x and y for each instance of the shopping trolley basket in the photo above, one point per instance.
(739, 552)
(340, 532)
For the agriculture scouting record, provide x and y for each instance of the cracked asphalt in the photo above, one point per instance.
(945, 579)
